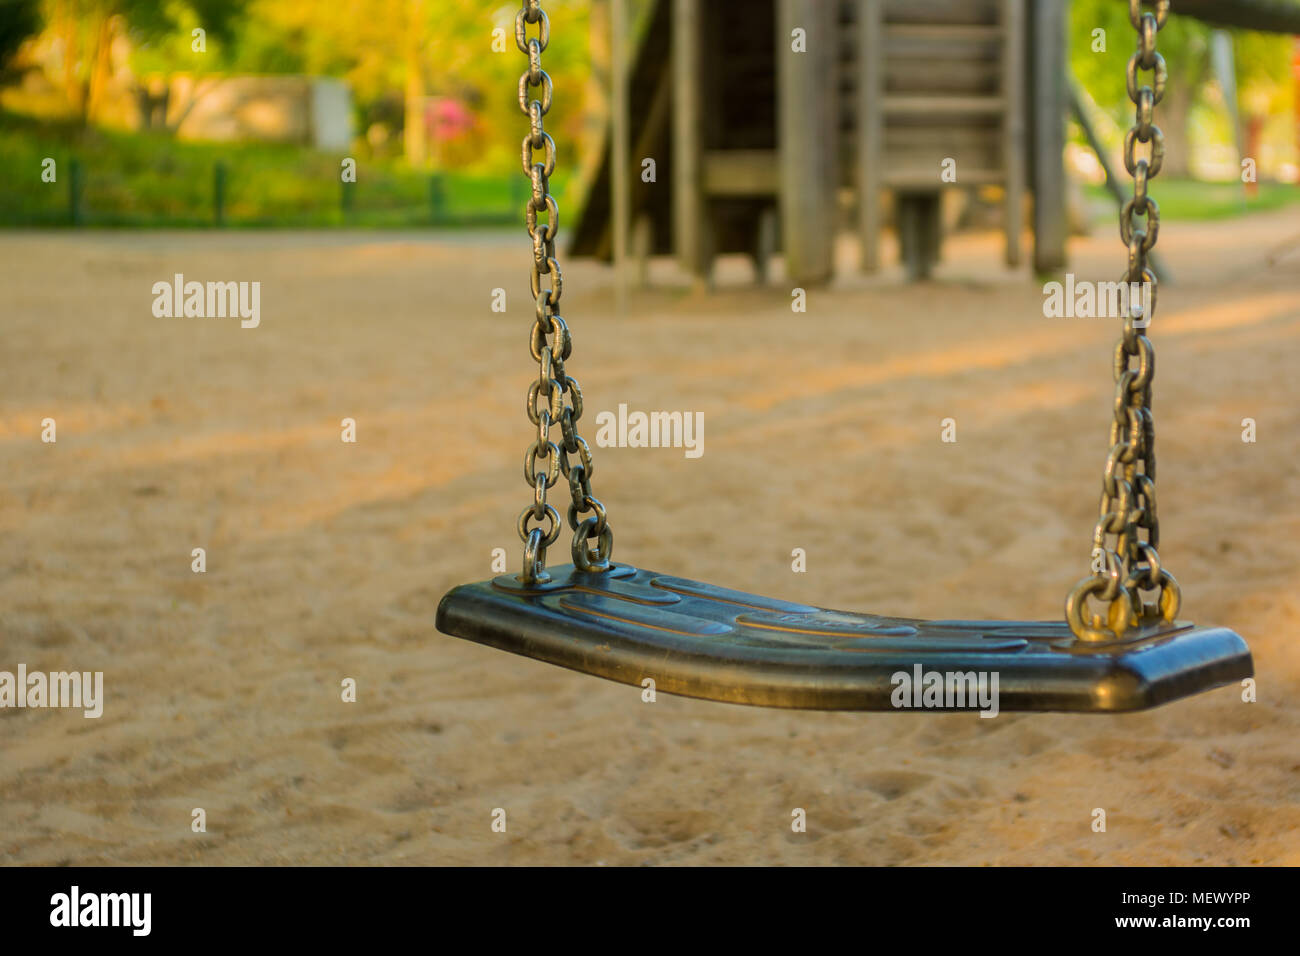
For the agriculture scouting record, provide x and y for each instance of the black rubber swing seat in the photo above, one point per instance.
(698, 640)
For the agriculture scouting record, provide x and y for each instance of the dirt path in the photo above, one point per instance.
(326, 560)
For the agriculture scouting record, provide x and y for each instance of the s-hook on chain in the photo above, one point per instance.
(550, 345)
(1128, 499)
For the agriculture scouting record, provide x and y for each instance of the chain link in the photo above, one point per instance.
(550, 345)
(1127, 532)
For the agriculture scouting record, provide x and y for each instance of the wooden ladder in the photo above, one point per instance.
(924, 82)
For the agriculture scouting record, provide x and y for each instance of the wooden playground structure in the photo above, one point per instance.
(762, 147)
(756, 142)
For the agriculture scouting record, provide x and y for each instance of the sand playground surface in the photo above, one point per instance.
(326, 560)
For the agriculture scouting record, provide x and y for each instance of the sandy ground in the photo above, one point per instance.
(326, 560)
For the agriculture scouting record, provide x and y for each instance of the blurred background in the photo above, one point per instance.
(240, 112)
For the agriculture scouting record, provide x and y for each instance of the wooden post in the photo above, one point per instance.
(1013, 124)
(871, 129)
(764, 243)
(641, 247)
(415, 140)
(219, 194)
(436, 201)
(76, 194)
(920, 228)
(520, 193)
(807, 131)
(596, 104)
(620, 186)
(688, 145)
(653, 122)
(1048, 68)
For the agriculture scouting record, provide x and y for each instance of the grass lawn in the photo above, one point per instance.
(1192, 199)
(152, 180)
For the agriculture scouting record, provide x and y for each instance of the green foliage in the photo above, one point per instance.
(469, 69)
(1262, 59)
(372, 44)
(19, 19)
(151, 180)
(1263, 72)
(1184, 43)
(161, 33)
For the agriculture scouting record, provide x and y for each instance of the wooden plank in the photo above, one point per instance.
(596, 104)
(943, 76)
(904, 48)
(941, 11)
(905, 40)
(650, 128)
(979, 138)
(944, 32)
(913, 178)
(642, 247)
(741, 172)
(1013, 125)
(620, 181)
(806, 124)
(1273, 16)
(936, 105)
(1049, 104)
(688, 194)
(870, 132)
(913, 155)
(642, 194)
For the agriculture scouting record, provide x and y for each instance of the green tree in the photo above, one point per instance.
(423, 48)
(86, 30)
(1183, 42)
(19, 19)
(163, 42)
(1265, 91)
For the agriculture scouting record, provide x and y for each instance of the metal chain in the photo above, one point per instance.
(550, 344)
(1128, 531)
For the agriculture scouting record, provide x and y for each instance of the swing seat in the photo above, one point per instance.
(698, 640)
